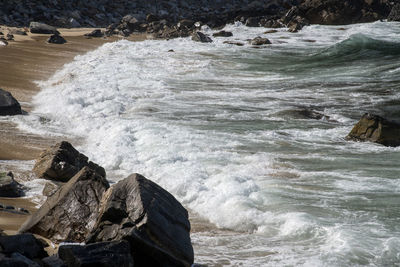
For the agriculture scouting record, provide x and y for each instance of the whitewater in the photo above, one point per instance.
(250, 140)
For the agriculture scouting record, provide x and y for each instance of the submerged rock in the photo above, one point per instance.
(376, 129)
(61, 162)
(201, 37)
(234, 43)
(260, 41)
(71, 212)
(151, 219)
(37, 27)
(223, 34)
(110, 254)
(8, 104)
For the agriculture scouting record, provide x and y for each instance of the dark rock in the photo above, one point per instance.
(9, 37)
(223, 34)
(61, 162)
(25, 244)
(56, 39)
(18, 32)
(9, 187)
(21, 258)
(260, 41)
(151, 219)
(3, 42)
(110, 254)
(201, 37)
(53, 261)
(376, 129)
(12, 262)
(72, 211)
(394, 14)
(95, 33)
(152, 18)
(8, 104)
(234, 43)
(37, 27)
(270, 31)
(185, 23)
(253, 22)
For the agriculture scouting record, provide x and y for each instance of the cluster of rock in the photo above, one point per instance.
(134, 222)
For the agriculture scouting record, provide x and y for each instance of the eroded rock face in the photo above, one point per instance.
(110, 254)
(376, 129)
(394, 13)
(151, 219)
(8, 104)
(61, 162)
(71, 212)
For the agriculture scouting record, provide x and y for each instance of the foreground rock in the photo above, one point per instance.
(260, 41)
(70, 213)
(151, 219)
(56, 39)
(8, 104)
(201, 37)
(24, 244)
(376, 129)
(110, 254)
(37, 27)
(9, 187)
(61, 162)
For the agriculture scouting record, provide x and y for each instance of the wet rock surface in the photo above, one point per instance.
(8, 104)
(9, 187)
(56, 39)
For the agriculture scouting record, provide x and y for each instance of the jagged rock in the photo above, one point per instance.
(260, 41)
(50, 188)
(95, 33)
(394, 14)
(8, 104)
(56, 39)
(9, 187)
(376, 129)
(110, 254)
(151, 219)
(37, 27)
(24, 244)
(61, 162)
(201, 37)
(72, 211)
(223, 34)
(234, 43)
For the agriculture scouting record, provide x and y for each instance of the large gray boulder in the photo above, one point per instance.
(107, 254)
(37, 27)
(8, 104)
(151, 219)
(61, 162)
(376, 129)
(71, 212)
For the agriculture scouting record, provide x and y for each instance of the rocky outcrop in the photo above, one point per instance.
(260, 41)
(61, 162)
(223, 34)
(9, 187)
(56, 39)
(72, 211)
(394, 14)
(37, 27)
(201, 37)
(149, 218)
(110, 254)
(376, 129)
(8, 104)
(24, 244)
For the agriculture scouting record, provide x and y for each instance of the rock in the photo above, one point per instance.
(9, 37)
(270, 31)
(18, 32)
(394, 14)
(50, 188)
(201, 37)
(12, 262)
(376, 129)
(71, 212)
(56, 39)
(252, 22)
(110, 254)
(151, 219)
(95, 33)
(152, 18)
(260, 41)
(24, 244)
(223, 34)
(21, 258)
(185, 23)
(234, 43)
(8, 104)
(3, 42)
(61, 162)
(9, 187)
(53, 261)
(37, 27)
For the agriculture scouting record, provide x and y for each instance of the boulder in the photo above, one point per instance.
(151, 219)
(9, 187)
(110, 254)
(95, 33)
(252, 22)
(61, 162)
(376, 129)
(234, 43)
(260, 41)
(152, 18)
(8, 104)
(201, 37)
(56, 39)
(71, 212)
(223, 34)
(53, 261)
(394, 14)
(37, 27)
(24, 244)
(9, 37)
(18, 32)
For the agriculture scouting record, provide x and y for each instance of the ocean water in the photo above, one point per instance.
(250, 140)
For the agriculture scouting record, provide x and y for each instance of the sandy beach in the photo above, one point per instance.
(27, 59)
